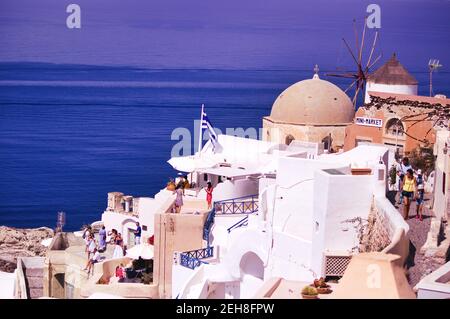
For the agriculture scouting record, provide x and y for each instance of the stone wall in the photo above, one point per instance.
(33, 270)
(376, 235)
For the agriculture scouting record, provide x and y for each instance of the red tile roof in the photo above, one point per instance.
(392, 72)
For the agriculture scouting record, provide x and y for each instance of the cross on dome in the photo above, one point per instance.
(316, 72)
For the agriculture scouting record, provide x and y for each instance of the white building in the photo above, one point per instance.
(307, 224)
(234, 170)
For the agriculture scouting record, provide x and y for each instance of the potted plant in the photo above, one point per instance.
(309, 292)
(321, 286)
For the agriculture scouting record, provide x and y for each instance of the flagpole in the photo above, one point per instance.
(200, 137)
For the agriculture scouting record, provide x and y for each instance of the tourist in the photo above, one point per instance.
(102, 239)
(137, 234)
(186, 182)
(179, 191)
(420, 193)
(209, 191)
(86, 236)
(408, 190)
(112, 234)
(95, 259)
(118, 249)
(151, 240)
(402, 168)
(92, 246)
(120, 272)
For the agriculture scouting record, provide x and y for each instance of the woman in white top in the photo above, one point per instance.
(92, 245)
(118, 249)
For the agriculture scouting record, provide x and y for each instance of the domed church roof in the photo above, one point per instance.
(313, 101)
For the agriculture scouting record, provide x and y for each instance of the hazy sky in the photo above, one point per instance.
(231, 34)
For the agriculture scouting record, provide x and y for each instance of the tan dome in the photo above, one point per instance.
(313, 101)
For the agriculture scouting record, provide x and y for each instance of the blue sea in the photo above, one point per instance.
(69, 134)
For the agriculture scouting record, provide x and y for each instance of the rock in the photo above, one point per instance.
(16, 242)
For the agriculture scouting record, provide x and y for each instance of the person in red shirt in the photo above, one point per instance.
(209, 191)
(119, 272)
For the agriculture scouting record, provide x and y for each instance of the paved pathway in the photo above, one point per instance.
(422, 265)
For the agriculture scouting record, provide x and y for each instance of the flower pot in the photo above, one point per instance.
(324, 290)
(310, 296)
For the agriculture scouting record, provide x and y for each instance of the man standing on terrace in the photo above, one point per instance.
(137, 234)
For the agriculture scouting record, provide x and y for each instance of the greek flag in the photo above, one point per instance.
(205, 124)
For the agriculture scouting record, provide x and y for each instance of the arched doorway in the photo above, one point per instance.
(252, 265)
(128, 227)
(327, 142)
(252, 274)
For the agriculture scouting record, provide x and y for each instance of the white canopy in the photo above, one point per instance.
(229, 171)
(189, 164)
(145, 251)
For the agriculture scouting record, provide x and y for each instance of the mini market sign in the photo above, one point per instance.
(367, 121)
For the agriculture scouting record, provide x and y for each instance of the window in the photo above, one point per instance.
(205, 177)
(144, 227)
(363, 141)
(327, 142)
(394, 127)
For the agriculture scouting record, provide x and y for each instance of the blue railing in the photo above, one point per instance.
(193, 259)
(208, 224)
(242, 222)
(239, 205)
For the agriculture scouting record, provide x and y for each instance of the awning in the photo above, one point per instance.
(189, 164)
(229, 171)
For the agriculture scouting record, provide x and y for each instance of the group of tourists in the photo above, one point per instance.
(179, 192)
(411, 187)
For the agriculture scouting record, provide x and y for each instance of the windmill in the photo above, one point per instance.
(362, 69)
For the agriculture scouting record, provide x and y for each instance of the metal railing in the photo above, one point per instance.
(240, 205)
(193, 259)
(241, 223)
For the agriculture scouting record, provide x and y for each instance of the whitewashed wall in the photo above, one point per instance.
(338, 198)
(389, 88)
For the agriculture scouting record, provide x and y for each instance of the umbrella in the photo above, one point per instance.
(143, 250)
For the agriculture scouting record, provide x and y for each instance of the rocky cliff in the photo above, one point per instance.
(16, 242)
